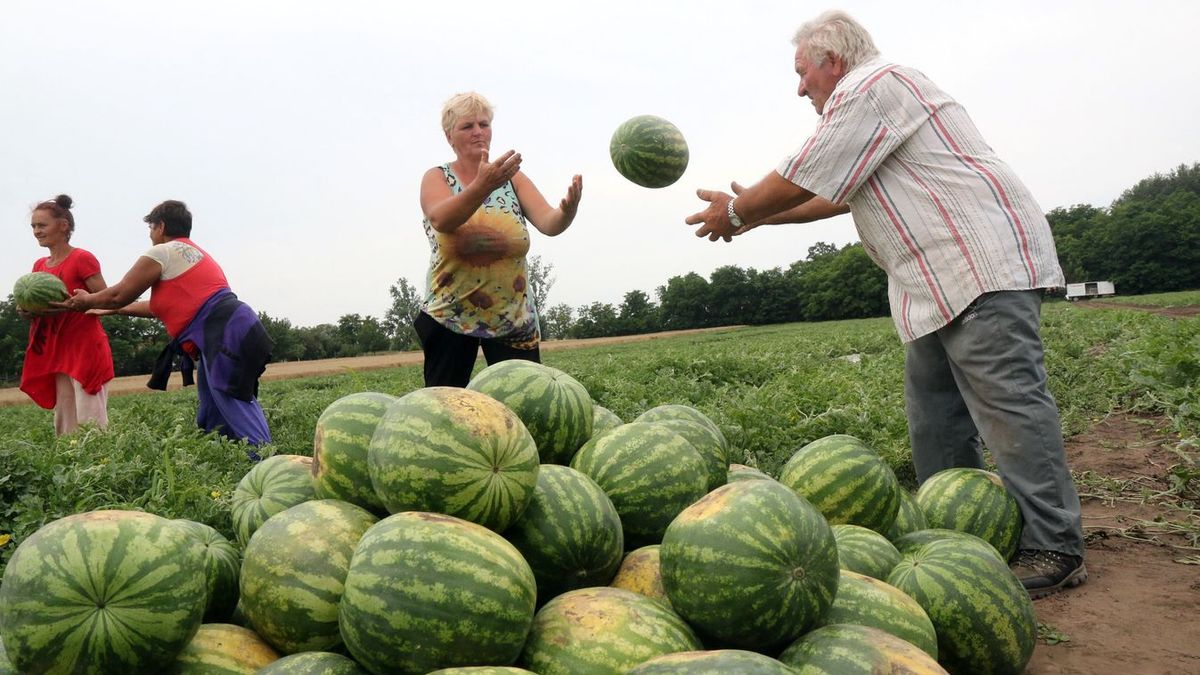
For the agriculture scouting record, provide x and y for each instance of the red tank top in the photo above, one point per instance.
(176, 301)
(71, 343)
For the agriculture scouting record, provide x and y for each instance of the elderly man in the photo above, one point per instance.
(968, 254)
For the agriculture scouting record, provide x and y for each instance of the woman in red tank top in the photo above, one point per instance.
(68, 362)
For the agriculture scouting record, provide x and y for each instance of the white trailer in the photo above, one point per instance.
(1090, 289)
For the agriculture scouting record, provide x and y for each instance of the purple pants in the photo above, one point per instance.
(219, 411)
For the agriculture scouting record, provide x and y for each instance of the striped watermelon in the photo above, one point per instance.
(428, 591)
(867, 601)
(313, 663)
(973, 501)
(554, 406)
(570, 535)
(677, 411)
(641, 572)
(602, 631)
(649, 472)
(752, 564)
(272, 485)
(848, 649)
(603, 419)
(710, 448)
(6, 666)
(865, 551)
(909, 518)
(982, 614)
(295, 570)
(483, 670)
(223, 649)
(846, 480)
(716, 662)
(102, 592)
(454, 451)
(223, 567)
(915, 540)
(649, 151)
(340, 443)
(35, 291)
(742, 472)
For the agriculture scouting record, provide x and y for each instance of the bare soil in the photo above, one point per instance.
(1138, 611)
(1180, 312)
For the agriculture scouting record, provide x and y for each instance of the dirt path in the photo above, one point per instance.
(1179, 312)
(136, 384)
(1137, 612)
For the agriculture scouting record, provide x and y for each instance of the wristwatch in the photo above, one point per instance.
(734, 219)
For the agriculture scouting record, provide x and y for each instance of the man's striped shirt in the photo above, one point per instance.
(934, 207)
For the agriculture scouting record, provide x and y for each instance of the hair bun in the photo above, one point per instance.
(64, 201)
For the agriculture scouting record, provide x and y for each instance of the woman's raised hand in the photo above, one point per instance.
(497, 173)
(570, 204)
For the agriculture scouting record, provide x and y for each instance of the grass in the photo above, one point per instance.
(771, 389)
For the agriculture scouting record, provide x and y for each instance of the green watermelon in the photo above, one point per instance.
(294, 573)
(914, 540)
(6, 666)
(340, 444)
(454, 451)
(846, 480)
(649, 472)
(603, 419)
(272, 485)
(867, 601)
(570, 535)
(742, 472)
(982, 614)
(716, 662)
(649, 151)
(848, 649)
(752, 564)
(102, 592)
(641, 572)
(554, 406)
(678, 411)
(710, 448)
(223, 649)
(603, 631)
(865, 551)
(483, 670)
(909, 518)
(35, 291)
(973, 501)
(223, 567)
(313, 663)
(428, 591)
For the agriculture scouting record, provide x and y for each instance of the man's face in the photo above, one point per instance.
(818, 80)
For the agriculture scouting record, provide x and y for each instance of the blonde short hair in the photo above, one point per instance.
(462, 105)
(837, 33)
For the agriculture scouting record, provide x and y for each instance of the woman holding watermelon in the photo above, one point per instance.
(477, 290)
(208, 325)
(68, 362)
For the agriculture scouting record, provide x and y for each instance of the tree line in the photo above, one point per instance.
(1146, 241)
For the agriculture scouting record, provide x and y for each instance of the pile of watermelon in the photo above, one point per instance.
(519, 526)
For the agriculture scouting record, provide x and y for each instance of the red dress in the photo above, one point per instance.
(72, 343)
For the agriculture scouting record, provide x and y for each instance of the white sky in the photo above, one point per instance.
(298, 131)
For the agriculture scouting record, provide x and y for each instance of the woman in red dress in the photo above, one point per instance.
(68, 362)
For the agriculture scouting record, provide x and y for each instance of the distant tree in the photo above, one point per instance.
(360, 335)
(684, 302)
(288, 346)
(320, 341)
(1072, 228)
(637, 314)
(397, 321)
(1182, 178)
(730, 296)
(14, 336)
(540, 283)
(557, 322)
(598, 319)
(136, 343)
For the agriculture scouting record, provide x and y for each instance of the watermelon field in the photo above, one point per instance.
(771, 402)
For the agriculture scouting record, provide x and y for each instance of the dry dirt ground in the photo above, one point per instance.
(1139, 612)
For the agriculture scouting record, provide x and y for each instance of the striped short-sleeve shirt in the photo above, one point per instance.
(933, 204)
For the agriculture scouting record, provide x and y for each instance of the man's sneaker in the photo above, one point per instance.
(1046, 572)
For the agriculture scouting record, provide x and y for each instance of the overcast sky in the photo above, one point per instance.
(298, 131)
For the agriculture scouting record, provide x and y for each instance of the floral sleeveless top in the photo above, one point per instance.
(477, 282)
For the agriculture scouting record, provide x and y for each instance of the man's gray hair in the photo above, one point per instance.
(835, 32)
